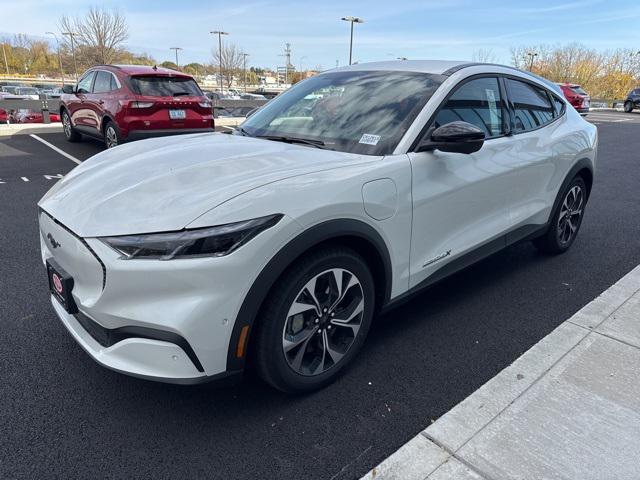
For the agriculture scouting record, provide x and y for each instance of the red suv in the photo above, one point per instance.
(117, 103)
(577, 97)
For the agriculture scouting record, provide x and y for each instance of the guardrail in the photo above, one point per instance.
(52, 105)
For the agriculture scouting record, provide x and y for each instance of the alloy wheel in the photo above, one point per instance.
(570, 215)
(111, 137)
(66, 124)
(323, 322)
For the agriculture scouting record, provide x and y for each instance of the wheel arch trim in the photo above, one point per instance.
(308, 239)
(580, 165)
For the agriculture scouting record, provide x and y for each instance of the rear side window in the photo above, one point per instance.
(84, 85)
(532, 106)
(103, 82)
(558, 106)
(477, 102)
(156, 86)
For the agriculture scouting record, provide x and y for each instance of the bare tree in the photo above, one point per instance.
(484, 56)
(231, 60)
(98, 35)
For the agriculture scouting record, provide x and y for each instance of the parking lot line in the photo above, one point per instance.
(53, 147)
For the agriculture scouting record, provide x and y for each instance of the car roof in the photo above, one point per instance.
(437, 67)
(143, 70)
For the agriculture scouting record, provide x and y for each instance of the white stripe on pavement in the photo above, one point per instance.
(54, 148)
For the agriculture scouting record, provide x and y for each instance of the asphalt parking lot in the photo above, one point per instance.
(63, 416)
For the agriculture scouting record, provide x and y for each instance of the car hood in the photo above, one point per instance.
(164, 184)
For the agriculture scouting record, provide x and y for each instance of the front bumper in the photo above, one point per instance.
(163, 132)
(169, 321)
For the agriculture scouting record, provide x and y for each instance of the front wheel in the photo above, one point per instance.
(566, 220)
(315, 320)
(628, 106)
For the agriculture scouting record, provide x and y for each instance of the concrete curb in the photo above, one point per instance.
(444, 449)
(28, 128)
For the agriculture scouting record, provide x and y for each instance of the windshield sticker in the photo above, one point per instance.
(369, 139)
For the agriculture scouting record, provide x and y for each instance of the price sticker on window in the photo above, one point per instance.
(369, 139)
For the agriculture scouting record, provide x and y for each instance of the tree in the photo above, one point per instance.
(483, 55)
(98, 35)
(231, 60)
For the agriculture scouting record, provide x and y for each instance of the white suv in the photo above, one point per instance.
(183, 259)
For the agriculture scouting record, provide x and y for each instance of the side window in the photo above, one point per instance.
(477, 102)
(103, 82)
(114, 83)
(558, 106)
(84, 85)
(532, 106)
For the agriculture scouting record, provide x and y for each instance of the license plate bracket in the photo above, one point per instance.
(61, 285)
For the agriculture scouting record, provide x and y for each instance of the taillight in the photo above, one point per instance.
(136, 104)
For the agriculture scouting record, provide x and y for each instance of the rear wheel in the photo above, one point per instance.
(315, 320)
(628, 106)
(566, 220)
(111, 135)
(70, 133)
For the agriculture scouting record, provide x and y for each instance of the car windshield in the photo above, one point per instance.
(29, 91)
(157, 86)
(364, 112)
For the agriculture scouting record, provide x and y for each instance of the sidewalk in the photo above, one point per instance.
(568, 408)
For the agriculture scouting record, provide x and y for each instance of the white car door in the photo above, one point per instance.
(460, 201)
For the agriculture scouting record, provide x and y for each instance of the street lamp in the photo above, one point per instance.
(352, 20)
(73, 52)
(531, 56)
(302, 58)
(244, 69)
(59, 57)
(176, 49)
(220, 33)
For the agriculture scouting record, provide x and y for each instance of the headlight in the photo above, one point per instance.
(202, 242)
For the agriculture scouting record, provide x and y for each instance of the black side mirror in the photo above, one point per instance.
(454, 137)
(68, 89)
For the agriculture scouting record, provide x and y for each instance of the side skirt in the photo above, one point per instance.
(520, 234)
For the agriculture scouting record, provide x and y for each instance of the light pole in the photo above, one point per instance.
(59, 56)
(244, 69)
(352, 20)
(531, 56)
(220, 33)
(73, 52)
(176, 49)
(301, 58)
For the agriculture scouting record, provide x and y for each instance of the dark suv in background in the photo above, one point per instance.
(117, 103)
(632, 101)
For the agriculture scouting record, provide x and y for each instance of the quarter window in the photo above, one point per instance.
(477, 102)
(84, 85)
(558, 106)
(531, 104)
(103, 82)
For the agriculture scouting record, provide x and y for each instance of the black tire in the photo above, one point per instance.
(628, 106)
(70, 133)
(275, 325)
(566, 219)
(111, 135)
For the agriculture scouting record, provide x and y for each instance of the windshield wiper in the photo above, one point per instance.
(242, 131)
(303, 141)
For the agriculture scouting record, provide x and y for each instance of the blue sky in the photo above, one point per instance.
(443, 29)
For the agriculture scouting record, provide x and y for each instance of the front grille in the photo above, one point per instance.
(86, 245)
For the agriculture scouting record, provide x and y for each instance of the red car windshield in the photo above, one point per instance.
(157, 86)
